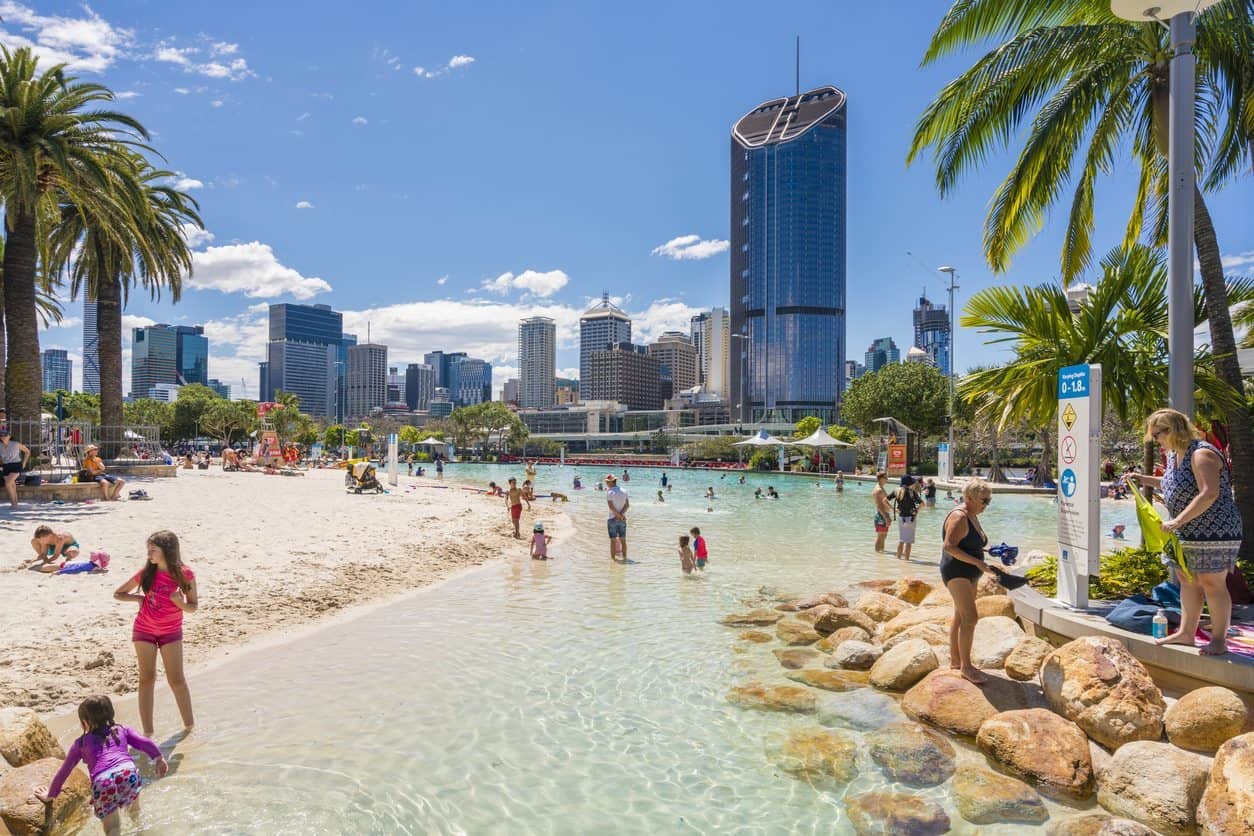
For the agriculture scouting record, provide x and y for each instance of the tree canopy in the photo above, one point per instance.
(916, 394)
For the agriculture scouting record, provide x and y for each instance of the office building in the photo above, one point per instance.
(167, 392)
(914, 354)
(675, 351)
(537, 363)
(91, 350)
(469, 380)
(367, 379)
(419, 386)
(58, 370)
(442, 362)
(441, 406)
(509, 391)
(263, 379)
(853, 371)
(567, 391)
(396, 386)
(223, 390)
(624, 373)
(341, 374)
(191, 355)
(931, 332)
(711, 337)
(788, 258)
(601, 327)
(880, 353)
(307, 356)
(154, 358)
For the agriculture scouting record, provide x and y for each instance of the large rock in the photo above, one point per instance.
(912, 754)
(1204, 719)
(810, 615)
(1096, 682)
(991, 605)
(829, 680)
(995, 638)
(787, 698)
(829, 643)
(881, 607)
(945, 699)
(755, 636)
(831, 599)
(937, 635)
(903, 666)
(25, 815)
(918, 615)
(855, 656)
(795, 631)
(1035, 744)
(1024, 662)
(987, 585)
(753, 618)
(1228, 804)
(864, 709)
(796, 657)
(838, 617)
(817, 754)
(911, 590)
(1097, 824)
(875, 813)
(24, 738)
(1156, 784)
(938, 597)
(987, 797)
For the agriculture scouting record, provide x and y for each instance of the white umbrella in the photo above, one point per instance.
(432, 441)
(760, 439)
(820, 438)
(133, 436)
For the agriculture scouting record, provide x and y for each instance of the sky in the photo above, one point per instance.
(439, 171)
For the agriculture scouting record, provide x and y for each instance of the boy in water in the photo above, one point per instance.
(699, 547)
(883, 512)
(528, 493)
(513, 501)
(685, 555)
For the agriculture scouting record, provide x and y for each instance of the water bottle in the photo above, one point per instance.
(1160, 624)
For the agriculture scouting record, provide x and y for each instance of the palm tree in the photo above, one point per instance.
(55, 141)
(1086, 85)
(136, 240)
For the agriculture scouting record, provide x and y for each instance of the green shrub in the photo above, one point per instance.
(1124, 572)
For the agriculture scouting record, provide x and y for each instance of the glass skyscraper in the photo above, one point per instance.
(602, 327)
(788, 258)
(931, 332)
(307, 343)
(91, 350)
(58, 370)
(880, 353)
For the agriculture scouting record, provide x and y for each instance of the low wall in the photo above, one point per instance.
(64, 491)
(156, 471)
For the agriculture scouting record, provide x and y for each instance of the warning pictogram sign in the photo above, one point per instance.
(1068, 416)
(1069, 449)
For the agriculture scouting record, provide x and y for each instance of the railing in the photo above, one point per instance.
(57, 447)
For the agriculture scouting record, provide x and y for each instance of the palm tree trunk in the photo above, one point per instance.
(109, 352)
(1047, 456)
(1224, 353)
(2, 344)
(23, 381)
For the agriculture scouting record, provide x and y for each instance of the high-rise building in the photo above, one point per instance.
(567, 391)
(341, 374)
(441, 405)
(263, 379)
(509, 391)
(914, 354)
(223, 390)
(58, 370)
(853, 371)
(191, 355)
(623, 373)
(931, 332)
(306, 344)
(601, 327)
(537, 363)
(154, 358)
(396, 386)
(367, 378)
(675, 351)
(442, 361)
(711, 336)
(419, 386)
(91, 350)
(470, 380)
(788, 258)
(880, 353)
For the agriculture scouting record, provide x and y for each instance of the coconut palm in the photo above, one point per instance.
(55, 138)
(1082, 87)
(137, 240)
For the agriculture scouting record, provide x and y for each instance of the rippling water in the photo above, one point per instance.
(572, 696)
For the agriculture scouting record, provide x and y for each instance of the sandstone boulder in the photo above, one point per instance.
(995, 638)
(987, 585)
(912, 754)
(24, 738)
(24, 815)
(829, 643)
(863, 709)
(830, 680)
(855, 656)
(1155, 784)
(881, 607)
(1096, 682)
(1037, 745)
(903, 666)
(755, 636)
(876, 584)
(838, 617)
(1204, 719)
(938, 597)
(831, 599)
(937, 635)
(911, 618)
(816, 754)
(1098, 824)
(810, 615)
(1024, 662)
(991, 605)
(948, 701)
(1228, 803)
(796, 657)
(795, 631)
(911, 590)
(752, 618)
(987, 797)
(786, 698)
(895, 813)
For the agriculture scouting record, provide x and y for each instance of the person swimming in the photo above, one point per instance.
(1116, 533)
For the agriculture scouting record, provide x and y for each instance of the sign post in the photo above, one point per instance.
(896, 460)
(393, 464)
(944, 462)
(1079, 452)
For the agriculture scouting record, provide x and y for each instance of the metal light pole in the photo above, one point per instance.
(953, 368)
(1183, 69)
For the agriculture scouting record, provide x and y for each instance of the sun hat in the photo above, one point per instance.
(610, 477)
(907, 480)
(539, 527)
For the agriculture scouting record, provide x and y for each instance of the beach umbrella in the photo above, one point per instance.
(820, 438)
(760, 439)
(430, 441)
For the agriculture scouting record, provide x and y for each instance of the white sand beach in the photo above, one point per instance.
(271, 554)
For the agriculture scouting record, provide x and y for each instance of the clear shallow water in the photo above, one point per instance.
(572, 696)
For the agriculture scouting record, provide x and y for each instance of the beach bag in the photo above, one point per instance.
(908, 504)
(1136, 615)
(33, 480)
(1156, 540)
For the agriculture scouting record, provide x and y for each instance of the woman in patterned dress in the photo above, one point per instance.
(1197, 490)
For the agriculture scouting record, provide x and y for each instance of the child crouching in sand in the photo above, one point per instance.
(686, 561)
(540, 543)
(106, 749)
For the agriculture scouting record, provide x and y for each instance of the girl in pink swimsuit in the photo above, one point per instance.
(164, 590)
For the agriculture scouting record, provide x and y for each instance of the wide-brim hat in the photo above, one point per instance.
(907, 480)
(610, 477)
(539, 527)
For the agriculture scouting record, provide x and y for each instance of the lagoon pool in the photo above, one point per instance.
(569, 696)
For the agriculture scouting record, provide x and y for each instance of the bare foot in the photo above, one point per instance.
(973, 675)
(1213, 649)
(1177, 637)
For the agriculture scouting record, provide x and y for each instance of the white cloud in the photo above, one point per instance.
(172, 55)
(126, 94)
(661, 315)
(130, 321)
(460, 61)
(184, 183)
(87, 43)
(569, 374)
(441, 280)
(304, 204)
(453, 63)
(223, 48)
(216, 103)
(1238, 261)
(182, 91)
(189, 58)
(359, 120)
(251, 269)
(303, 116)
(691, 247)
(528, 281)
(195, 236)
(67, 322)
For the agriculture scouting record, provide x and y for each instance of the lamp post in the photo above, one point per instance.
(1181, 176)
(953, 368)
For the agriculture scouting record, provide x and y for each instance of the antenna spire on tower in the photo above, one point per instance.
(798, 66)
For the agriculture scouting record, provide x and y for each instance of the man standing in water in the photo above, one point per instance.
(883, 511)
(616, 499)
(513, 501)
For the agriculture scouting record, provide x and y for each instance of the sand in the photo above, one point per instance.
(272, 556)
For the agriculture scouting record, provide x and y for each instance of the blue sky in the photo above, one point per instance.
(441, 170)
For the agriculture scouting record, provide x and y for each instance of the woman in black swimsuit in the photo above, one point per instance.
(962, 563)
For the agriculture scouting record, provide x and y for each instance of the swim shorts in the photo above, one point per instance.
(12, 467)
(105, 477)
(515, 511)
(905, 529)
(701, 561)
(881, 524)
(114, 789)
(160, 641)
(616, 528)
